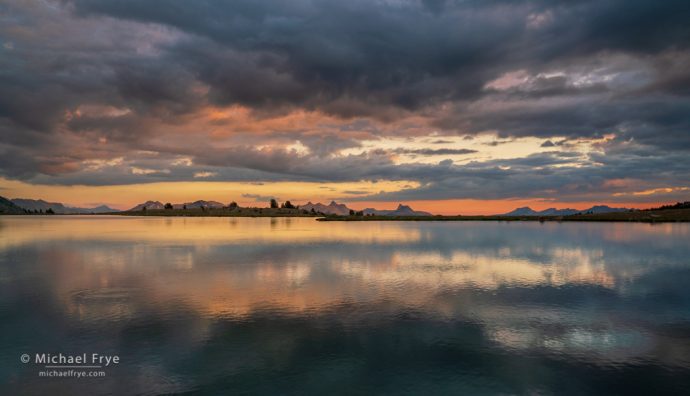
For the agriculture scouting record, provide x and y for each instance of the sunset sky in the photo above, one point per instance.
(473, 107)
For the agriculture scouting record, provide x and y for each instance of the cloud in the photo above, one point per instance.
(447, 151)
(259, 198)
(204, 174)
(144, 171)
(268, 91)
(355, 192)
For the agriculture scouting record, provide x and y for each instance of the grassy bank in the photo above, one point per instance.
(224, 212)
(646, 216)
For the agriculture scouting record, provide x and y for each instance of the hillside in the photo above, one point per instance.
(221, 212)
(337, 209)
(527, 211)
(7, 207)
(158, 205)
(333, 208)
(148, 205)
(643, 216)
(401, 210)
(57, 207)
(199, 204)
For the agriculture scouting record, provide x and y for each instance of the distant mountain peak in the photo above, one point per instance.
(527, 211)
(57, 207)
(9, 207)
(198, 204)
(523, 211)
(600, 207)
(148, 205)
(401, 210)
(332, 208)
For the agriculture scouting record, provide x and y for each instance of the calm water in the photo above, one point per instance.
(294, 306)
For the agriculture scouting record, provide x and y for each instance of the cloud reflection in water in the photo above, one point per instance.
(286, 296)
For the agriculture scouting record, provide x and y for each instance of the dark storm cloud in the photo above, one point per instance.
(402, 54)
(84, 81)
(324, 53)
(535, 177)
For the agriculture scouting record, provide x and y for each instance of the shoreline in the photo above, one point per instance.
(638, 216)
(504, 219)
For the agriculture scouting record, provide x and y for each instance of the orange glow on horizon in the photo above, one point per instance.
(126, 196)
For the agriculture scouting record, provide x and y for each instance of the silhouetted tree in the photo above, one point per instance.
(184, 207)
(168, 206)
(288, 205)
(50, 211)
(143, 208)
(359, 213)
(233, 205)
(352, 212)
(274, 203)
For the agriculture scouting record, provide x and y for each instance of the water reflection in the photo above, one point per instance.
(446, 307)
(196, 231)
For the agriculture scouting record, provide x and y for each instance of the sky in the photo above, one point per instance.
(472, 107)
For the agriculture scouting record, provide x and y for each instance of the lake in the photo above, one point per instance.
(295, 306)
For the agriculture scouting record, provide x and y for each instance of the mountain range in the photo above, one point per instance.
(8, 207)
(18, 205)
(527, 211)
(335, 208)
(57, 207)
(153, 205)
(402, 210)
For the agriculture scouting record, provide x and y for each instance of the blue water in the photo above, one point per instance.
(295, 306)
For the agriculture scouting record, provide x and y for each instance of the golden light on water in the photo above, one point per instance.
(294, 261)
(198, 232)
